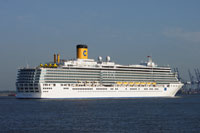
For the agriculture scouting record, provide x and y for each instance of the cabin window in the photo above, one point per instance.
(101, 88)
(133, 88)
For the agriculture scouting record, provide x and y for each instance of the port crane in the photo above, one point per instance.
(197, 73)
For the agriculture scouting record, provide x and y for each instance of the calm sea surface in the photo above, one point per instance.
(179, 114)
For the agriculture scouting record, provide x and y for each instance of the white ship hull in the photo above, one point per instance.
(102, 92)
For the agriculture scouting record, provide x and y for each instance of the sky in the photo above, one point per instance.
(128, 31)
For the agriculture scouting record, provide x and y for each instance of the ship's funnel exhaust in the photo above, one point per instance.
(82, 51)
(54, 58)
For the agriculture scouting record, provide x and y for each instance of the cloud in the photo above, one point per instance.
(179, 33)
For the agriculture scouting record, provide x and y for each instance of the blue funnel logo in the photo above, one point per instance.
(84, 53)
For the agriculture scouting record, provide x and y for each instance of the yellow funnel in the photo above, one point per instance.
(82, 52)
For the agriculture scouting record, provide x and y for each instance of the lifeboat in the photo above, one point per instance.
(137, 83)
(55, 65)
(131, 83)
(119, 83)
(148, 83)
(154, 83)
(125, 83)
(143, 83)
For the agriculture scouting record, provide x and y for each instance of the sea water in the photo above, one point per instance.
(178, 114)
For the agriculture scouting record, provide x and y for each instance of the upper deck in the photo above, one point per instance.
(104, 72)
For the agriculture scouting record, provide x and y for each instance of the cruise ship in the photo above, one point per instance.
(87, 78)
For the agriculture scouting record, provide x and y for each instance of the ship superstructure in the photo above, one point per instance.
(87, 78)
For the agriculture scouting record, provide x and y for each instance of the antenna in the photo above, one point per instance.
(27, 65)
(197, 77)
